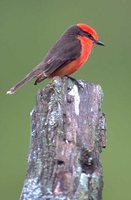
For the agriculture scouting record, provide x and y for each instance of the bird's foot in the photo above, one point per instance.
(79, 85)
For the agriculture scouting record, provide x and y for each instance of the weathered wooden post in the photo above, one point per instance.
(68, 134)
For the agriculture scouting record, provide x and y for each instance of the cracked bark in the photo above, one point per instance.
(67, 137)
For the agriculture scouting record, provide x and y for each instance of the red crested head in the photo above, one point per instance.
(89, 32)
(88, 29)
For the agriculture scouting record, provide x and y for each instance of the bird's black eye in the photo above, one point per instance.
(89, 35)
(86, 34)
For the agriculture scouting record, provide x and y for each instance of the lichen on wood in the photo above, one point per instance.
(68, 134)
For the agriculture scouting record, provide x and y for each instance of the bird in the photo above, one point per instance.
(66, 56)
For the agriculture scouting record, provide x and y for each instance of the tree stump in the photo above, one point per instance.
(68, 134)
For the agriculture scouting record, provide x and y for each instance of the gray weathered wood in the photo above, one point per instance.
(68, 134)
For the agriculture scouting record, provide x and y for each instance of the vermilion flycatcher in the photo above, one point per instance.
(67, 55)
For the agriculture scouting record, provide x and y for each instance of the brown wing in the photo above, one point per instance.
(65, 50)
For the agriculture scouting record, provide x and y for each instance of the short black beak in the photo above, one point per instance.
(99, 43)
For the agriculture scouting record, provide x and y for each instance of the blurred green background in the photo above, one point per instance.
(27, 31)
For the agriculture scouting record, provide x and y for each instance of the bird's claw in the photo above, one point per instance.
(78, 83)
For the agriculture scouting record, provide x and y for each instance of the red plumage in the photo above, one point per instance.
(67, 55)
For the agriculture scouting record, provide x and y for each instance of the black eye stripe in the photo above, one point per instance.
(87, 34)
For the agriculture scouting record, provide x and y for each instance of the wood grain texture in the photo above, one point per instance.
(67, 137)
